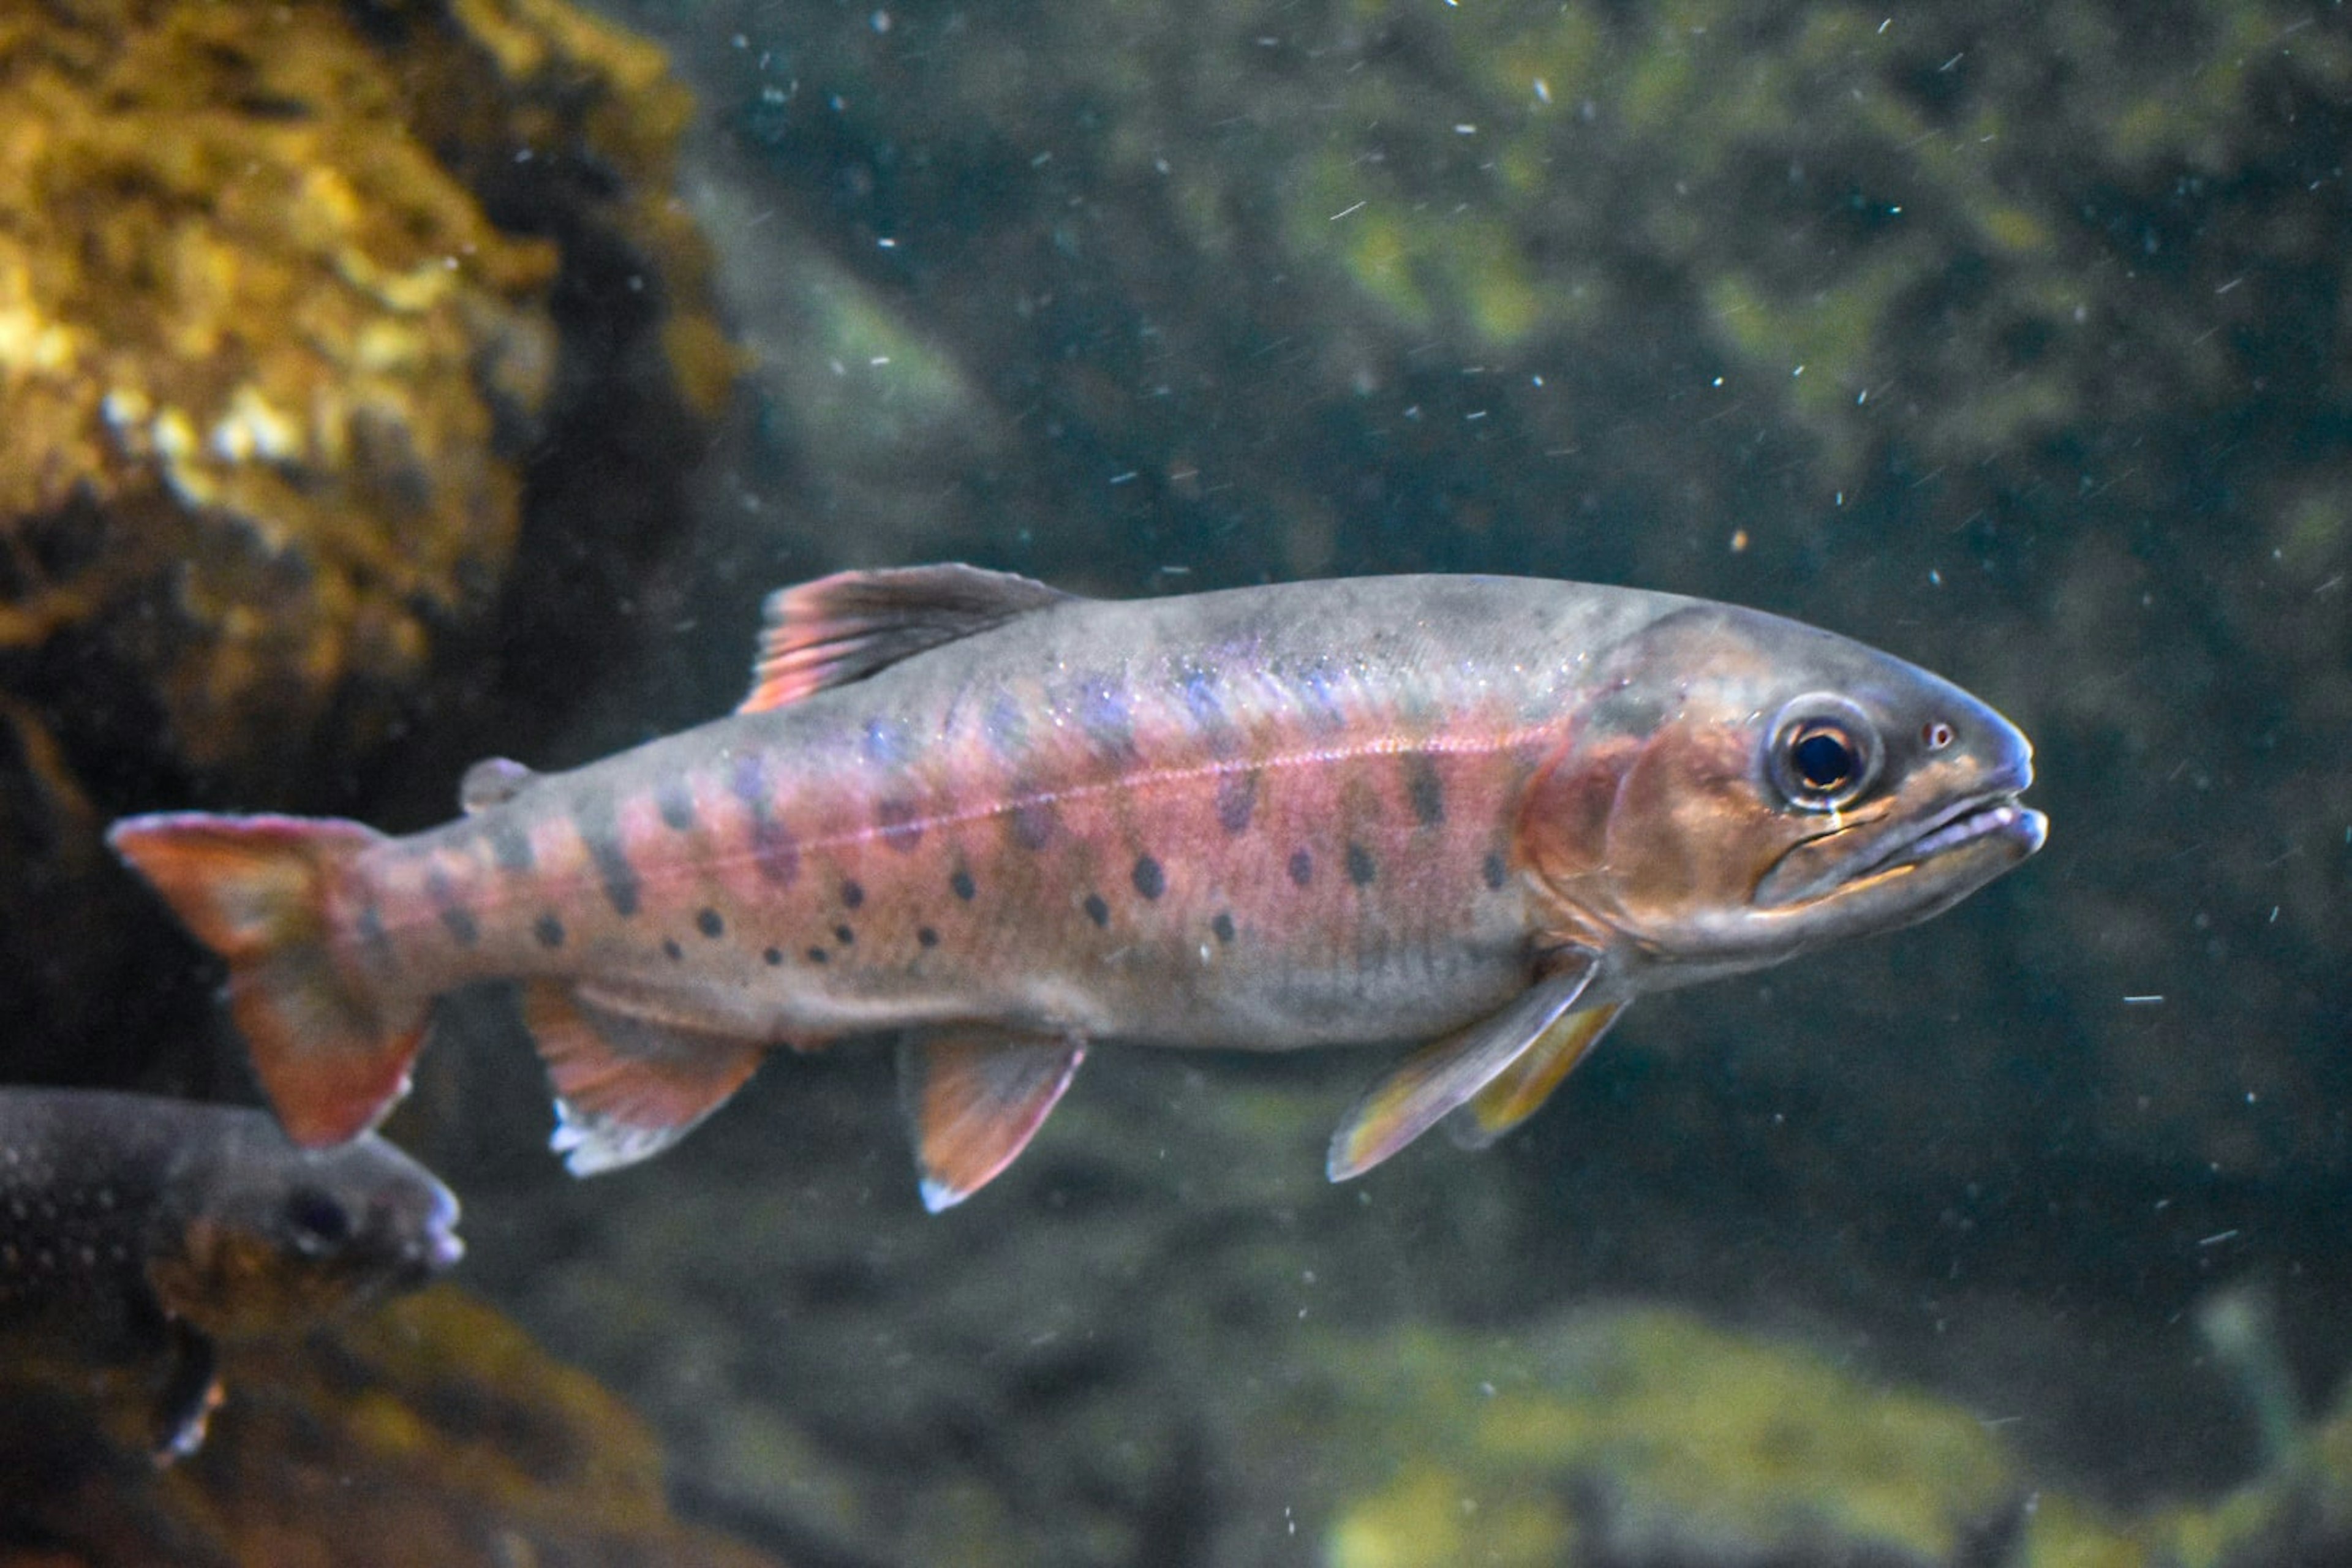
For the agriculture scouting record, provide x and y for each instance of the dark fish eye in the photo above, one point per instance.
(1936, 735)
(1824, 752)
(1824, 758)
(318, 1220)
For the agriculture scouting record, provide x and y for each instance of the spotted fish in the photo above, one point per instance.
(1010, 823)
(136, 1228)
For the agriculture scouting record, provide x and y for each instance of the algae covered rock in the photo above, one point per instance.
(1644, 1436)
(431, 1432)
(290, 296)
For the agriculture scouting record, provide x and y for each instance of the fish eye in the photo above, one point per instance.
(318, 1221)
(1936, 734)
(1824, 752)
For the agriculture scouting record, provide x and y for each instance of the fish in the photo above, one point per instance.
(136, 1228)
(1011, 824)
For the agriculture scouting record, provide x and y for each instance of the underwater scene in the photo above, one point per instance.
(764, 764)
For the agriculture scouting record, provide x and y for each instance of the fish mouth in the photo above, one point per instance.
(1949, 853)
(1999, 818)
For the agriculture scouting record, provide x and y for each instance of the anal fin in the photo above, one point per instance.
(1520, 1091)
(625, 1086)
(975, 1097)
(1447, 1073)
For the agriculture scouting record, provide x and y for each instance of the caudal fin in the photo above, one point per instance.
(257, 890)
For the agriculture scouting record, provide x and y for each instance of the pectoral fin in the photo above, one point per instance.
(626, 1087)
(1520, 1088)
(975, 1097)
(1439, 1077)
(191, 1393)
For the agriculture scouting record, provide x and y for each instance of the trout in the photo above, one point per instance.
(136, 1228)
(1010, 823)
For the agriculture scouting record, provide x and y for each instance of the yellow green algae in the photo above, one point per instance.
(1648, 1434)
(1649, 1431)
(432, 1430)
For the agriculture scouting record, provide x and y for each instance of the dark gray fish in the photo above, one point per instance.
(136, 1228)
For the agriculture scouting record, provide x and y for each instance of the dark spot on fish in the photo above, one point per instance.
(774, 849)
(1032, 824)
(1302, 867)
(371, 937)
(1424, 788)
(455, 919)
(674, 798)
(671, 951)
(895, 818)
(1359, 866)
(926, 936)
(852, 895)
(1150, 879)
(772, 956)
(1097, 911)
(549, 930)
(819, 955)
(1493, 871)
(509, 844)
(1222, 924)
(1237, 800)
(844, 935)
(962, 886)
(710, 924)
(592, 817)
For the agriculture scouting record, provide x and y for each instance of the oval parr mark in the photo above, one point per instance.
(1360, 869)
(1097, 909)
(1223, 925)
(1424, 788)
(1032, 823)
(962, 885)
(455, 919)
(673, 799)
(1301, 867)
(774, 850)
(1493, 870)
(1237, 800)
(711, 923)
(899, 823)
(549, 930)
(1149, 878)
(592, 820)
(509, 844)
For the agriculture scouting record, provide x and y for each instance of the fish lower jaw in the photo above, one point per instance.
(2001, 818)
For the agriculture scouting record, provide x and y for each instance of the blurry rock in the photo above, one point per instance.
(431, 1432)
(289, 297)
(1644, 1438)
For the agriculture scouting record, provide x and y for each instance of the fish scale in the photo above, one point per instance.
(1011, 824)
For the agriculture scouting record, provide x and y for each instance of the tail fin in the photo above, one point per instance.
(258, 891)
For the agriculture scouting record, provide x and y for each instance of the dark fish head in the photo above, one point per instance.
(1745, 788)
(264, 1236)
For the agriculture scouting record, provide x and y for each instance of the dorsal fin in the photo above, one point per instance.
(844, 627)
(493, 780)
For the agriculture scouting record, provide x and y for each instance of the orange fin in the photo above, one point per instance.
(976, 1097)
(844, 627)
(258, 891)
(1439, 1076)
(1520, 1088)
(492, 782)
(626, 1087)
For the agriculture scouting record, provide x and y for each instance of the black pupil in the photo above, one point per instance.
(1824, 760)
(316, 1215)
